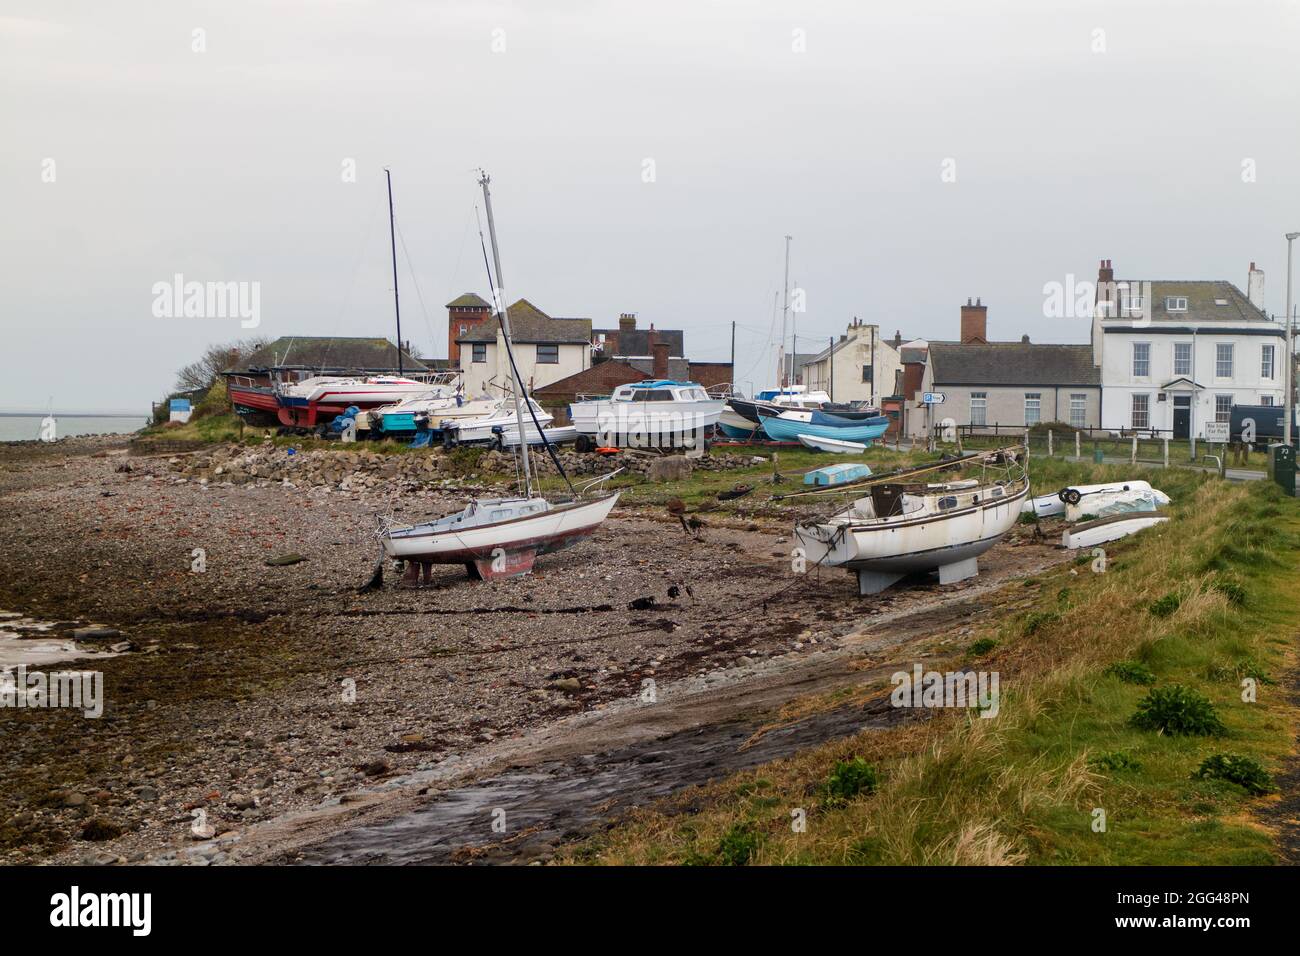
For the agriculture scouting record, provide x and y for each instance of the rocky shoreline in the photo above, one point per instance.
(257, 688)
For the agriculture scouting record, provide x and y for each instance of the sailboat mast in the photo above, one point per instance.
(498, 298)
(785, 316)
(392, 239)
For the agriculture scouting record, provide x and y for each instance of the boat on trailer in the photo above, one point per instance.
(905, 527)
(500, 537)
(313, 400)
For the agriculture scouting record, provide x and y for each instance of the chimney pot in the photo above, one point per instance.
(1024, 340)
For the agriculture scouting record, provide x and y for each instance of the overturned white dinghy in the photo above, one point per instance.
(1110, 528)
(901, 528)
(832, 445)
(1046, 506)
(1103, 504)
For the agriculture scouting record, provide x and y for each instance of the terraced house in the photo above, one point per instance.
(996, 386)
(1176, 354)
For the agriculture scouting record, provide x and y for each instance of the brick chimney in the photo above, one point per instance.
(660, 352)
(974, 322)
(627, 322)
(1255, 287)
(898, 339)
(1104, 272)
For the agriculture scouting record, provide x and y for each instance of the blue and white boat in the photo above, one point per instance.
(793, 422)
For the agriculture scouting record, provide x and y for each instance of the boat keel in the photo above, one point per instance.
(504, 564)
(958, 571)
(873, 582)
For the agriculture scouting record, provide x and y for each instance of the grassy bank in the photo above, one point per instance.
(1201, 604)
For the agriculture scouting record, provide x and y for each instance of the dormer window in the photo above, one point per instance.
(1175, 303)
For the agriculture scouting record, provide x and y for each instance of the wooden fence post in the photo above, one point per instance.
(1165, 442)
(1133, 458)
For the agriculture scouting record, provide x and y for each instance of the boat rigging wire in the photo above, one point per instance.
(528, 401)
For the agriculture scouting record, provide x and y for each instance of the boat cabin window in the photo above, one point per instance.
(652, 395)
(947, 502)
(995, 492)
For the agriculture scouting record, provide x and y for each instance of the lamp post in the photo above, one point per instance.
(1289, 413)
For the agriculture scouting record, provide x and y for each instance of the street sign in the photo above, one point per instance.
(1217, 432)
(933, 398)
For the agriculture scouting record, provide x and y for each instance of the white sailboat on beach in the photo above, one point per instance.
(499, 537)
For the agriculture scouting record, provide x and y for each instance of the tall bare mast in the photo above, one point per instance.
(392, 239)
(498, 299)
(785, 317)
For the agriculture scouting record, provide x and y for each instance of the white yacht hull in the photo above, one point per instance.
(882, 551)
(503, 548)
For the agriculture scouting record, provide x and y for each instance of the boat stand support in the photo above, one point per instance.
(873, 582)
(502, 564)
(958, 571)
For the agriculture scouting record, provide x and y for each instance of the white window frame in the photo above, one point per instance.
(1267, 361)
(475, 355)
(1223, 415)
(1133, 410)
(1175, 303)
(1078, 410)
(1133, 360)
(1177, 369)
(979, 400)
(1266, 401)
(1218, 360)
(1033, 400)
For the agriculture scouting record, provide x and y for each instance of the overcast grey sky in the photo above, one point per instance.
(226, 165)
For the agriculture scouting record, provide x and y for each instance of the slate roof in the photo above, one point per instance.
(1202, 301)
(469, 300)
(1012, 363)
(342, 353)
(530, 324)
(637, 341)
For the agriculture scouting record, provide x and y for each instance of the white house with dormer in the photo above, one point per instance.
(1174, 355)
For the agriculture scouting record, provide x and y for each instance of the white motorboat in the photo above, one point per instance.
(651, 414)
(1045, 506)
(832, 445)
(488, 428)
(1110, 528)
(556, 435)
(500, 537)
(903, 528)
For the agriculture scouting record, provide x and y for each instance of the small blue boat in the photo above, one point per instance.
(789, 425)
(836, 474)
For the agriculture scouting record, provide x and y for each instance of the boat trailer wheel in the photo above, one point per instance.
(1071, 496)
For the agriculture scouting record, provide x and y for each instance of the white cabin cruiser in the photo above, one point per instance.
(902, 528)
(656, 413)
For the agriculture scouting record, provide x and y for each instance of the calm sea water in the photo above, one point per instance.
(28, 427)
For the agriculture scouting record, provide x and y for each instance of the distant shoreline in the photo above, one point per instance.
(73, 415)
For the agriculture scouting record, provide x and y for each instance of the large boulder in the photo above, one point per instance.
(670, 468)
